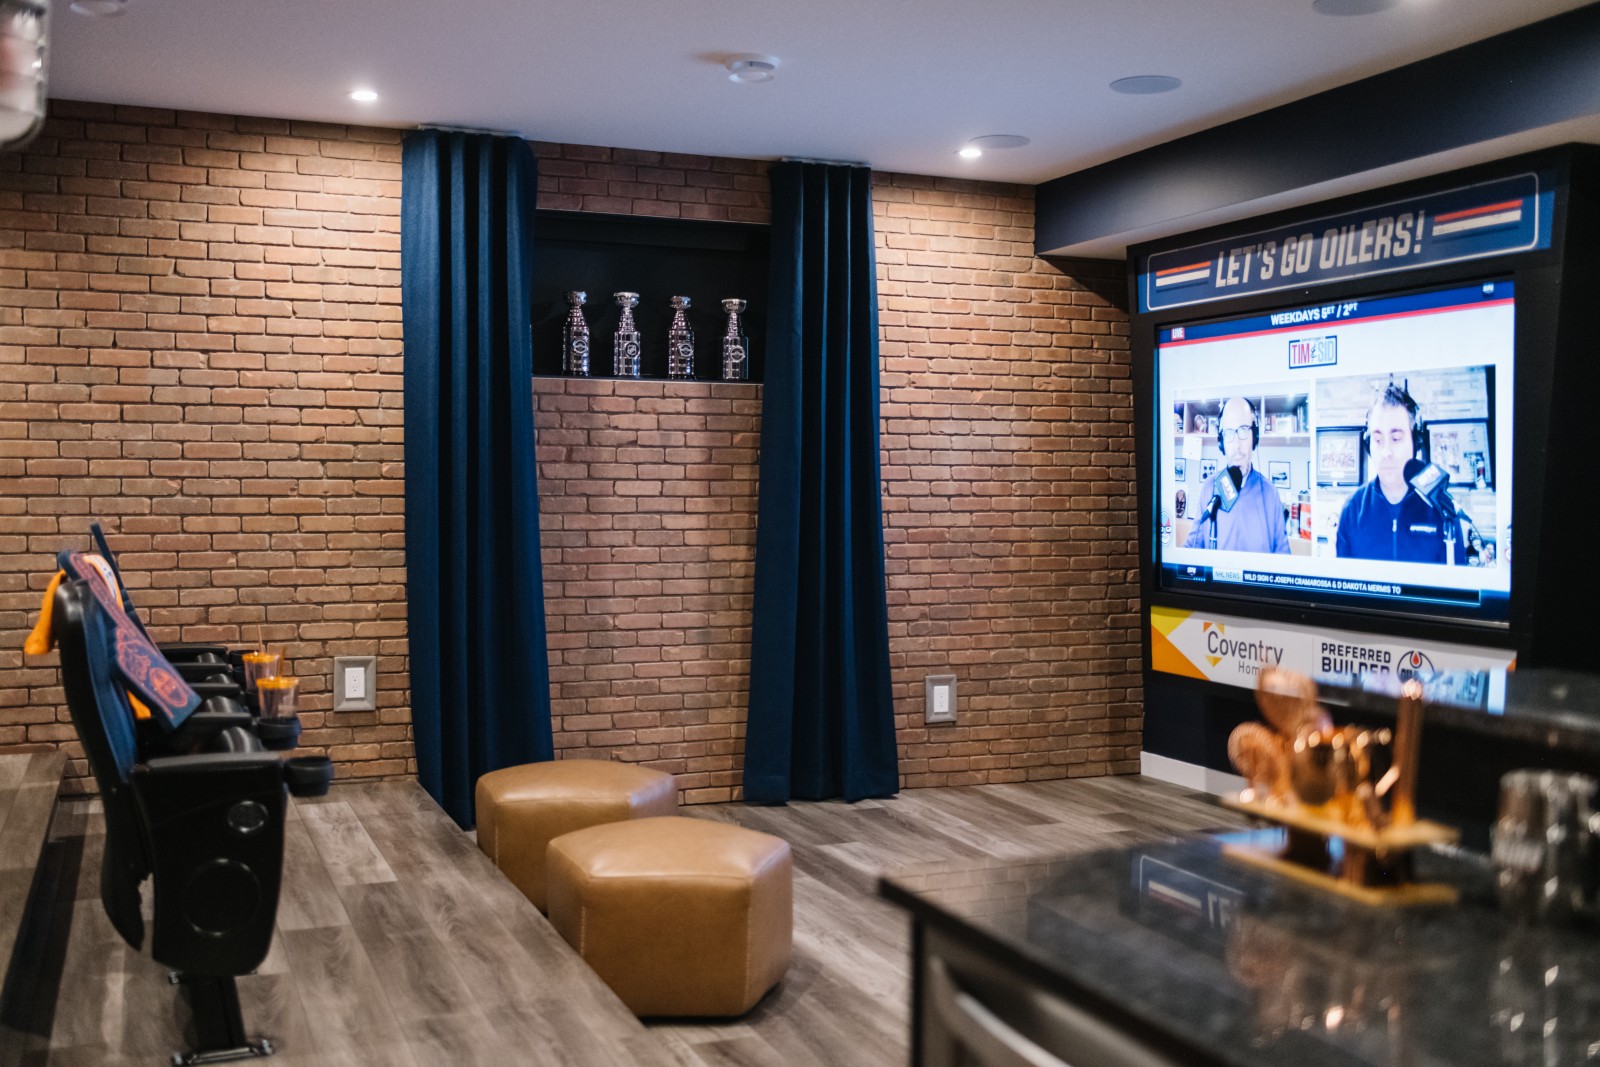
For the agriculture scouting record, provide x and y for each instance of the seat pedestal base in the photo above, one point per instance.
(218, 1023)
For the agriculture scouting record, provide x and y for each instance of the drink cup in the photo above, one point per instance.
(258, 665)
(277, 696)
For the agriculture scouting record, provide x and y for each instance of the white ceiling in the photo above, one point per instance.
(898, 84)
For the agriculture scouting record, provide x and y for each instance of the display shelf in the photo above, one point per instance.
(1192, 416)
(1267, 440)
(657, 258)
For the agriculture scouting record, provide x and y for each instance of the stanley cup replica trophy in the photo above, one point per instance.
(575, 338)
(680, 341)
(735, 345)
(625, 345)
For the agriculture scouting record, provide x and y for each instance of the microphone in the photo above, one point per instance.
(1431, 482)
(1226, 494)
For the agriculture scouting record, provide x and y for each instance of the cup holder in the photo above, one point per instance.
(279, 735)
(308, 776)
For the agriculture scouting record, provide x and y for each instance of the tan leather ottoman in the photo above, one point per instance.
(520, 809)
(679, 916)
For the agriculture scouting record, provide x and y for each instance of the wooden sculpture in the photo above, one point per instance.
(1316, 780)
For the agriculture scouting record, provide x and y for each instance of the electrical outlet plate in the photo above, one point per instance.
(355, 681)
(939, 698)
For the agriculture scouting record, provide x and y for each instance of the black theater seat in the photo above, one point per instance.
(204, 823)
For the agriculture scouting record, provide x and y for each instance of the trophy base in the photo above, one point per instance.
(1408, 894)
(1370, 866)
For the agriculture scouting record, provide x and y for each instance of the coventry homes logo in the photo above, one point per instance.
(1313, 352)
(1251, 656)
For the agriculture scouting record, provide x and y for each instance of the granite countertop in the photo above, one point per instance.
(1553, 708)
(1247, 969)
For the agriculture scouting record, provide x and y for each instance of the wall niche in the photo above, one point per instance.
(658, 258)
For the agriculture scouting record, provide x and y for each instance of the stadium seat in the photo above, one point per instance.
(192, 801)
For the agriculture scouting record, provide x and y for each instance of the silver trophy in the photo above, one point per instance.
(735, 345)
(680, 341)
(575, 337)
(625, 345)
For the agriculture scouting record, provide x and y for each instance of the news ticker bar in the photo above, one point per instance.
(1305, 583)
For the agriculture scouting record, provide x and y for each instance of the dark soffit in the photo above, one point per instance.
(1534, 76)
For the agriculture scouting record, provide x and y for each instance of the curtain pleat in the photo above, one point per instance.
(480, 678)
(821, 716)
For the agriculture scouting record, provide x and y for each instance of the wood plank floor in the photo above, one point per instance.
(400, 944)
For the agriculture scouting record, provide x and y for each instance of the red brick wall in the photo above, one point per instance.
(647, 500)
(623, 181)
(200, 344)
(1009, 514)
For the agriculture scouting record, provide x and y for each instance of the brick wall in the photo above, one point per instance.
(200, 346)
(623, 181)
(647, 500)
(1009, 511)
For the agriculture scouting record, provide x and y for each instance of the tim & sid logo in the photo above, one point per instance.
(1313, 352)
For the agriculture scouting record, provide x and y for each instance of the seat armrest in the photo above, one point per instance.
(215, 771)
(238, 738)
(188, 651)
(206, 672)
(199, 732)
(224, 703)
(207, 690)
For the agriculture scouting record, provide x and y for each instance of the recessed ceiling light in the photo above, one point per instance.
(749, 68)
(1145, 84)
(971, 151)
(100, 9)
(1351, 7)
(363, 96)
(999, 140)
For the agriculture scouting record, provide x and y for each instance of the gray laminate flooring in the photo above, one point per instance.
(400, 944)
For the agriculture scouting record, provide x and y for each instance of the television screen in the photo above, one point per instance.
(1354, 454)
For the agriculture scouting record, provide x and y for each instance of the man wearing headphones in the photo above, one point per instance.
(1384, 519)
(1256, 522)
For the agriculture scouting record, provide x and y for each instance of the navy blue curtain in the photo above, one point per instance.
(480, 675)
(821, 720)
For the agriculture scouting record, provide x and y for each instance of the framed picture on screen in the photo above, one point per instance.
(1461, 447)
(1339, 455)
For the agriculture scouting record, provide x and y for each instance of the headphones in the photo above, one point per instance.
(1255, 427)
(1396, 396)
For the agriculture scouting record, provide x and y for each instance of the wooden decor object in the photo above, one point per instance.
(1313, 779)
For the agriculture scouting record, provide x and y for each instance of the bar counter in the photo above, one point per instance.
(1197, 959)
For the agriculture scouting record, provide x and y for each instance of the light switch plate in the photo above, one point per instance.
(355, 683)
(939, 698)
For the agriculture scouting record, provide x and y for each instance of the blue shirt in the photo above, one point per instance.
(1412, 531)
(1254, 525)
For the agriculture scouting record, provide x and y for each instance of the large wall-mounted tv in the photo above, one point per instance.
(1355, 454)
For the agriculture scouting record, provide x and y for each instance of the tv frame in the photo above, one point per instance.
(1553, 383)
(1245, 602)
